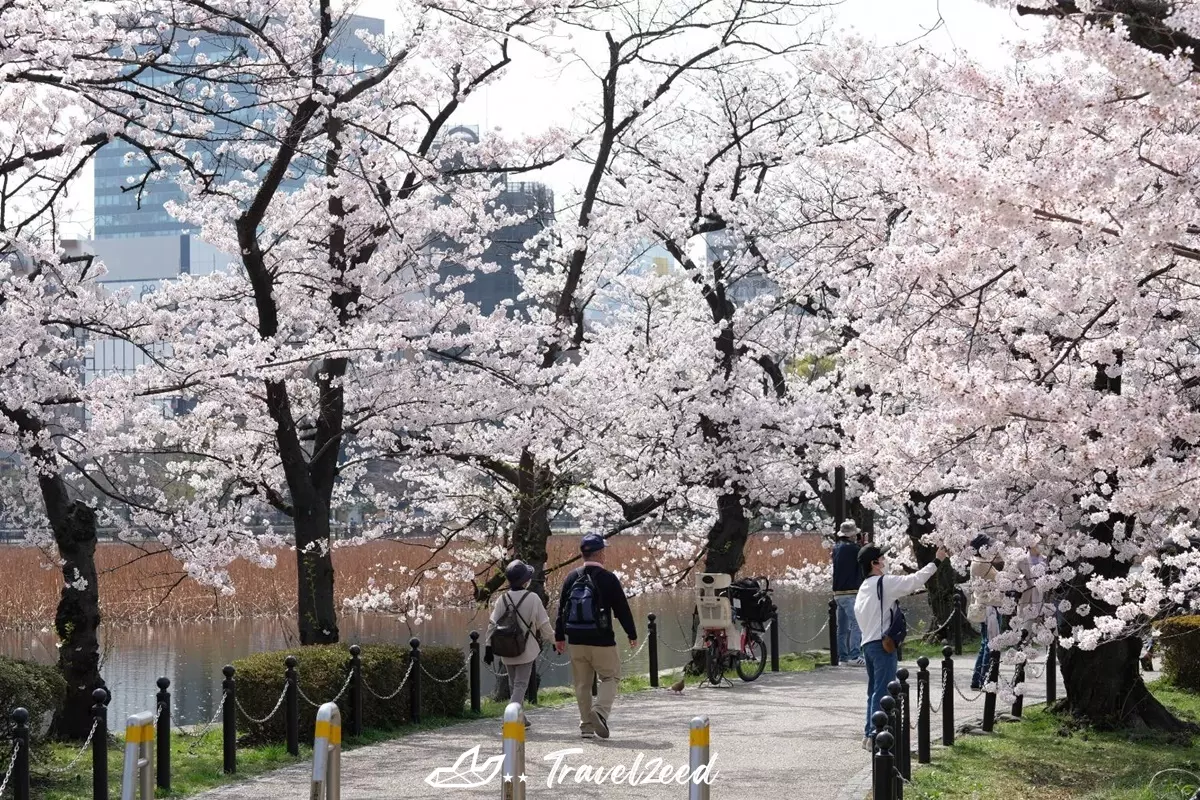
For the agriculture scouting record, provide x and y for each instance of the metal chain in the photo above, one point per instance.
(337, 697)
(70, 768)
(545, 658)
(810, 640)
(634, 654)
(452, 678)
(207, 727)
(267, 718)
(393, 694)
(938, 708)
(978, 694)
(12, 762)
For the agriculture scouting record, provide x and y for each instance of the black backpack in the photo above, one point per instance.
(585, 609)
(894, 631)
(512, 631)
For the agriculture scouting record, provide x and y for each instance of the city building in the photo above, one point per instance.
(124, 209)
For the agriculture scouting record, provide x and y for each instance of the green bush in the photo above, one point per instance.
(37, 688)
(1179, 638)
(322, 672)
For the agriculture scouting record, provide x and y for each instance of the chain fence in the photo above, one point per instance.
(452, 678)
(544, 657)
(809, 640)
(634, 654)
(12, 762)
(206, 728)
(338, 696)
(69, 769)
(264, 720)
(384, 697)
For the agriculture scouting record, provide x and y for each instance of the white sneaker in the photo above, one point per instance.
(857, 662)
(868, 744)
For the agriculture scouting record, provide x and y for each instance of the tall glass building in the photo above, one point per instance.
(124, 210)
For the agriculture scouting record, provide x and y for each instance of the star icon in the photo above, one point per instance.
(524, 779)
(508, 778)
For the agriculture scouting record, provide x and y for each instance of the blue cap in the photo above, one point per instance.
(591, 543)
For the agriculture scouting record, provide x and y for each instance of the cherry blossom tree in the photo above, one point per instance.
(1027, 334)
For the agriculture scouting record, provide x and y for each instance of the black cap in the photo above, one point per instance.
(518, 572)
(869, 555)
(981, 541)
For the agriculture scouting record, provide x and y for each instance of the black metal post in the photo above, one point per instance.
(356, 692)
(162, 735)
(652, 646)
(20, 768)
(1052, 673)
(989, 700)
(882, 767)
(415, 679)
(905, 743)
(229, 721)
(774, 635)
(1019, 687)
(947, 696)
(100, 745)
(891, 704)
(956, 622)
(476, 688)
(833, 634)
(923, 710)
(291, 706)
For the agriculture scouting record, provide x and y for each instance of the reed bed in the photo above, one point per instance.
(137, 587)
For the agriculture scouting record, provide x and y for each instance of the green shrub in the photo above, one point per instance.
(322, 671)
(1179, 638)
(37, 688)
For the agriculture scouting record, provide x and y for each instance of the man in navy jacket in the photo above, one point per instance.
(591, 597)
(847, 577)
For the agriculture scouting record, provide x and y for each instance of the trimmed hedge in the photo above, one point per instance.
(1179, 638)
(322, 671)
(38, 688)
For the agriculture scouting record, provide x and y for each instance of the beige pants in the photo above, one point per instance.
(603, 662)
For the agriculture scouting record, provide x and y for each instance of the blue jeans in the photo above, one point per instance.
(849, 636)
(980, 674)
(881, 670)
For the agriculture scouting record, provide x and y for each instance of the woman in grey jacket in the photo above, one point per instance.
(533, 618)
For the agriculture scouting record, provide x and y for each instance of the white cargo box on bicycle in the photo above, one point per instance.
(733, 617)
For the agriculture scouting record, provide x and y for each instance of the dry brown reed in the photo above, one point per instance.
(137, 587)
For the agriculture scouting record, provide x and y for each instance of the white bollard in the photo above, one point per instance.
(698, 737)
(327, 754)
(137, 781)
(512, 786)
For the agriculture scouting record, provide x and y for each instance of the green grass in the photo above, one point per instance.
(1048, 758)
(914, 648)
(196, 762)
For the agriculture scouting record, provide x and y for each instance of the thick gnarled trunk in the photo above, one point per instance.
(316, 612)
(77, 619)
(1104, 687)
(531, 530)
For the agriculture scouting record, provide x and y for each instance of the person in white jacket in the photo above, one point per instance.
(873, 609)
(532, 615)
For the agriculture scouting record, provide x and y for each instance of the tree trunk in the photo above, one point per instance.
(77, 619)
(316, 611)
(941, 587)
(1104, 687)
(535, 492)
(728, 536)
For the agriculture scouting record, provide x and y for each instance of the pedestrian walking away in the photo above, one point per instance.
(591, 597)
(516, 631)
(877, 609)
(847, 577)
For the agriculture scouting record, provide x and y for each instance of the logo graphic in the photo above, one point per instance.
(467, 772)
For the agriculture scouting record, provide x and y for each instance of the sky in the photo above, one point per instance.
(537, 93)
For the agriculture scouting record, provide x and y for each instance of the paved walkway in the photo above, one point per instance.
(788, 734)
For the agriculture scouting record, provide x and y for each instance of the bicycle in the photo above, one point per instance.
(727, 611)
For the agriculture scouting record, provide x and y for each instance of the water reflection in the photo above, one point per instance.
(192, 654)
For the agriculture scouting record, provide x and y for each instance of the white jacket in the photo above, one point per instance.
(868, 611)
(533, 615)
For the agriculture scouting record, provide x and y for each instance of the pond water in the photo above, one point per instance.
(192, 654)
